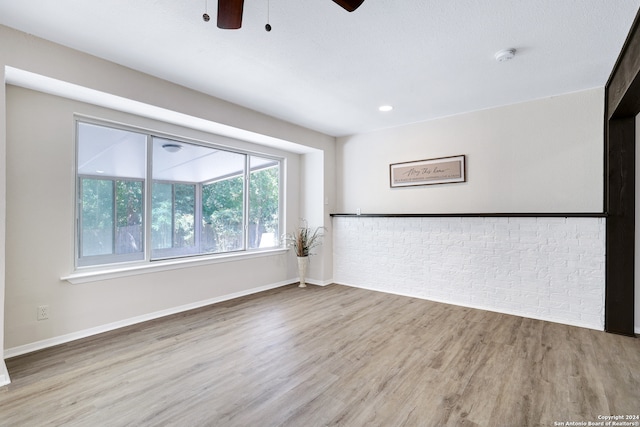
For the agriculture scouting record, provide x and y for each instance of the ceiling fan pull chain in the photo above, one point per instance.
(205, 16)
(268, 26)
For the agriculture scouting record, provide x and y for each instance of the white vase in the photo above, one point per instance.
(303, 264)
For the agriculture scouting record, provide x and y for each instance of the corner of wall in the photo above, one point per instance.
(4, 374)
(313, 197)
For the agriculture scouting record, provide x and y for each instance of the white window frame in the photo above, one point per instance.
(123, 265)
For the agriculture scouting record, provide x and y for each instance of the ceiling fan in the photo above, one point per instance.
(230, 11)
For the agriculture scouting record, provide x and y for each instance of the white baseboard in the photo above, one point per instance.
(62, 339)
(4, 374)
(493, 309)
(317, 282)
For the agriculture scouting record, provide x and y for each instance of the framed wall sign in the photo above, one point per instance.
(443, 170)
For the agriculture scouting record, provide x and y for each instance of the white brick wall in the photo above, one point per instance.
(543, 268)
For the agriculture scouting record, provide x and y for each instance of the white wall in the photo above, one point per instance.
(40, 231)
(540, 156)
(544, 268)
(36, 264)
(544, 156)
(316, 211)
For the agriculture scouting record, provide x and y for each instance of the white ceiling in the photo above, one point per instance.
(329, 70)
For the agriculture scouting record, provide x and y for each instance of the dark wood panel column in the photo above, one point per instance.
(619, 303)
(622, 105)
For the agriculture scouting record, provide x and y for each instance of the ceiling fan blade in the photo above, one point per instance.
(349, 5)
(230, 14)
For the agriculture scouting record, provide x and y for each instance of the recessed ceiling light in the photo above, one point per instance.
(99, 171)
(385, 108)
(505, 55)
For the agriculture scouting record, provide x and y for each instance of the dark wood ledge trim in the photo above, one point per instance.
(480, 215)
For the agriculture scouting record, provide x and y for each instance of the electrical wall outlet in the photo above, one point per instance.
(43, 312)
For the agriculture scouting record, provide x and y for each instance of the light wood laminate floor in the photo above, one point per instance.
(328, 356)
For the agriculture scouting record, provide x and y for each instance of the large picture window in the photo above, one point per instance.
(145, 198)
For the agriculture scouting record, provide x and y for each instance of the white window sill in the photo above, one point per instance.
(105, 273)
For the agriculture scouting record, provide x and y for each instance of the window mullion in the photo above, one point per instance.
(197, 216)
(114, 219)
(148, 201)
(79, 218)
(245, 207)
(173, 215)
(281, 197)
